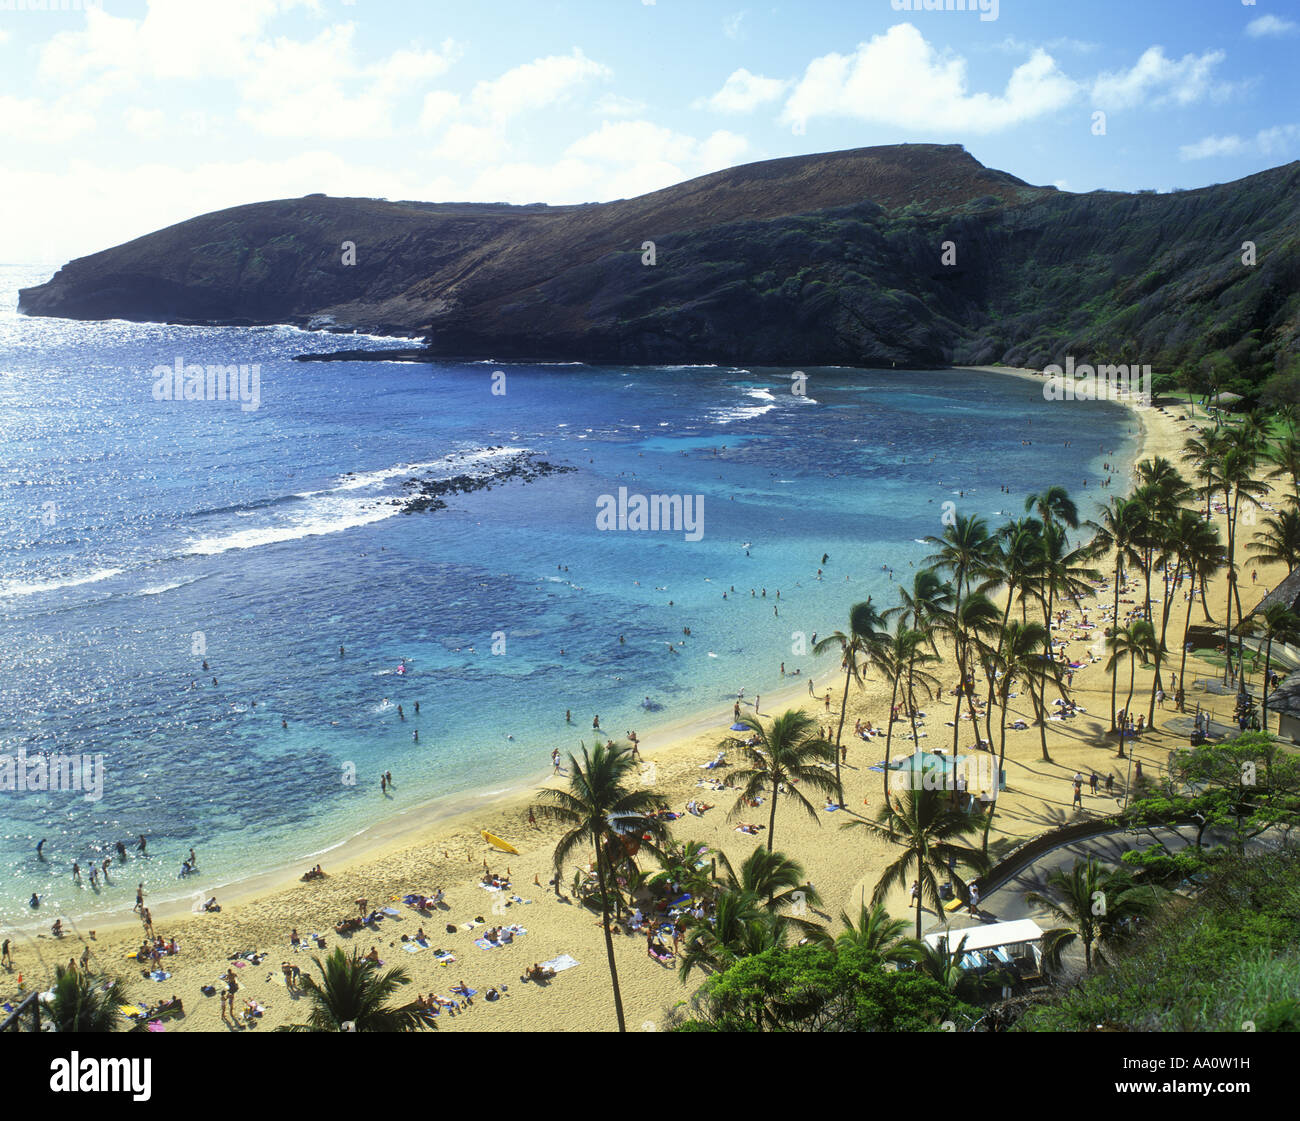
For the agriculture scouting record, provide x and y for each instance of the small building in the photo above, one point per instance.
(1015, 945)
(1284, 702)
(1286, 593)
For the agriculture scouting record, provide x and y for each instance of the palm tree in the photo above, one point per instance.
(1275, 622)
(929, 598)
(352, 995)
(964, 549)
(855, 645)
(899, 655)
(84, 1002)
(1199, 550)
(931, 833)
(975, 620)
(1096, 905)
(1285, 458)
(1279, 540)
(1237, 476)
(790, 753)
(1020, 656)
(773, 876)
(1205, 452)
(741, 926)
(1054, 507)
(878, 933)
(1135, 642)
(601, 810)
(1064, 573)
(1118, 532)
(685, 863)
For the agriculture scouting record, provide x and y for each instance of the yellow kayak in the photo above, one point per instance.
(496, 842)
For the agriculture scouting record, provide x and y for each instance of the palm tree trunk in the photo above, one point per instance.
(889, 737)
(609, 940)
(844, 708)
(1227, 619)
(1042, 713)
(1128, 704)
(1114, 627)
(1166, 607)
(1187, 628)
(1263, 707)
(920, 873)
(771, 817)
(997, 778)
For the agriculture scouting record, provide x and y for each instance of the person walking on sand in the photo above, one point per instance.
(1078, 796)
(139, 897)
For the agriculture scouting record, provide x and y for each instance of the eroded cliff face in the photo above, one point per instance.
(914, 255)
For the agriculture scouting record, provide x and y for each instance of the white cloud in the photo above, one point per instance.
(439, 107)
(743, 92)
(318, 88)
(614, 105)
(1212, 146)
(174, 39)
(99, 206)
(465, 143)
(645, 142)
(1012, 45)
(144, 122)
(1156, 80)
(731, 25)
(1273, 141)
(44, 122)
(899, 79)
(535, 85)
(1269, 25)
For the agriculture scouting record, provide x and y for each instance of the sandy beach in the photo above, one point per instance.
(448, 853)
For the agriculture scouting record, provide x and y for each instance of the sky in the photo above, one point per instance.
(118, 117)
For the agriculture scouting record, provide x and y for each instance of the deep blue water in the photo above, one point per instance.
(134, 532)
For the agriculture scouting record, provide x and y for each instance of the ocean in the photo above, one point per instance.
(141, 537)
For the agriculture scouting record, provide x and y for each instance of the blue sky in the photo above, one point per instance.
(129, 115)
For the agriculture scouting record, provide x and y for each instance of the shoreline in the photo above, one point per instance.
(424, 821)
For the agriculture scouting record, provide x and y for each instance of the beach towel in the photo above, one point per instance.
(561, 963)
(129, 1010)
(412, 947)
(444, 957)
(159, 975)
(832, 809)
(390, 911)
(156, 1025)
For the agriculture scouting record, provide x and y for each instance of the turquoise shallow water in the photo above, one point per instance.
(139, 537)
